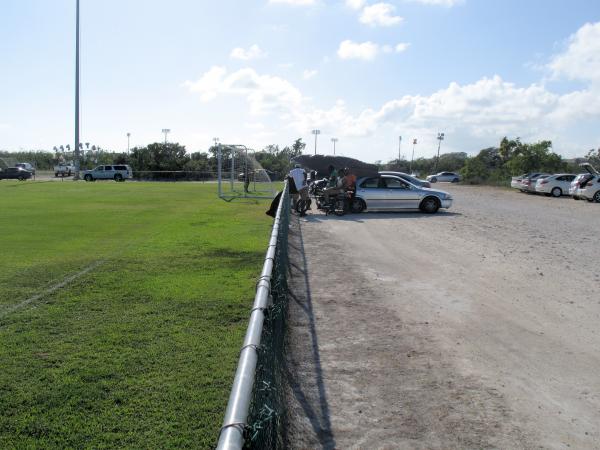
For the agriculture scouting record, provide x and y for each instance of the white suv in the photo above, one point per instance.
(117, 172)
(555, 185)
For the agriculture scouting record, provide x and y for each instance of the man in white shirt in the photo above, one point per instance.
(300, 188)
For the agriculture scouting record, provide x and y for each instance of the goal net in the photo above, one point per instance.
(240, 175)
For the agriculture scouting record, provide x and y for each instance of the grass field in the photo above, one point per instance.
(140, 350)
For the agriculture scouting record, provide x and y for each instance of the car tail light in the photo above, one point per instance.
(543, 181)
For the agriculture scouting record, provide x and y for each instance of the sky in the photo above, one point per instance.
(260, 72)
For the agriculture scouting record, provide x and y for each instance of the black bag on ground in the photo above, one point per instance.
(274, 205)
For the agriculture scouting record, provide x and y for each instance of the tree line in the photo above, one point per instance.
(496, 165)
(493, 165)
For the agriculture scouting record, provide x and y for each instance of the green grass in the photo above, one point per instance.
(140, 352)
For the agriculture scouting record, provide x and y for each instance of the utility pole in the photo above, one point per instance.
(413, 156)
(128, 136)
(440, 138)
(316, 133)
(77, 163)
(166, 131)
(334, 140)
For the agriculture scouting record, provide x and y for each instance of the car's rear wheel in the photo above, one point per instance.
(597, 197)
(21, 178)
(118, 177)
(433, 180)
(357, 205)
(455, 180)
(556, 192)
(430, 205)
(88, 177)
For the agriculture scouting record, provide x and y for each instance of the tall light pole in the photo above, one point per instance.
(128, 136)
(399, 149)
(440, 138)
(334, 140)
(77, 164)
(166, 131)
(316, 133)
(413, 155)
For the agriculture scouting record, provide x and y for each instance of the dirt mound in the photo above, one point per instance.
(320, 163)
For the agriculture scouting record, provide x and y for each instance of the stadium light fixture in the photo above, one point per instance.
(166, 131)
(316, 133)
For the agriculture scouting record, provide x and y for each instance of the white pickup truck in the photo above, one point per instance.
(64, 170)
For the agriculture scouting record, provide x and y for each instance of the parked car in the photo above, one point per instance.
(450, 177)
(406, 177)
(64, 170)
(117, 172)
(574, 189)
(517, 182)
(590, 189)
(555, 185)
(580, 183)
(28, 167)
(391, 193)
(530, 182)
(15, 173)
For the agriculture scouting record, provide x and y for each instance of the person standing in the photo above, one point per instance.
(298, 176)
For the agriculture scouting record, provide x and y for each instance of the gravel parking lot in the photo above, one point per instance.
(473, 328)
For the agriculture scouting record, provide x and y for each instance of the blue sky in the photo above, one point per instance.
(269, 71)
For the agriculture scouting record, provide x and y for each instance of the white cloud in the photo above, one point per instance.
(380, 14)
(294, 2)
(308, 74)
(447, 3)
(581, 60)
(402, 47)
(355, 4)
(366, 51)
(264, 93)
(475, 114)
(254, 52)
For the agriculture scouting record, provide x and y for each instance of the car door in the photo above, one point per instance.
(98, 173)
(399, 194)
(109, 172)
(565, 183)
(373, 193)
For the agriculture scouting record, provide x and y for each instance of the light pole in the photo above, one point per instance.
(128, 136)
(440, 138)
(334, 140)
(166, 131)
(399, 149)
(316, 133)
(77, 164)
(413, 156)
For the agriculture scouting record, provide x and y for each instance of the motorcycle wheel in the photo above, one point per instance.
(341, 206)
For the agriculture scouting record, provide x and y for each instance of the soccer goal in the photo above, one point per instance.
(240, 175)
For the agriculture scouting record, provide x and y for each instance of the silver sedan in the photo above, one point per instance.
(390, 193)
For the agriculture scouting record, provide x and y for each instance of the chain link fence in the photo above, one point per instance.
(256, 414)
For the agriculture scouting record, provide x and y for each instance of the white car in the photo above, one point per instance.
(589, 189)
(581, 187)
(450, 177)
(117, 172)
(555, 185)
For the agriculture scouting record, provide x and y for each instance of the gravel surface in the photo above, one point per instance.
(472, 328)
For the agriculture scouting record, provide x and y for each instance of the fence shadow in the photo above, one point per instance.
(303, 369)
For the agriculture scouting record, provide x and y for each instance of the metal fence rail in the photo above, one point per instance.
(235, 423)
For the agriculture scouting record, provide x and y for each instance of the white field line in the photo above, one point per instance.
(51, 289)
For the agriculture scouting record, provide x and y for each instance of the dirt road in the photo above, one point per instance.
(473, 328)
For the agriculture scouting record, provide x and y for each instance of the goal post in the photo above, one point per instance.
(240, 175)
